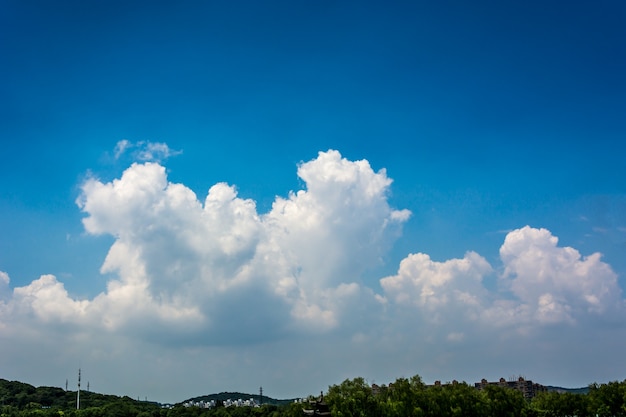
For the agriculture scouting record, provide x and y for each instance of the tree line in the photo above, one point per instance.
(352, 398)
(411, 397)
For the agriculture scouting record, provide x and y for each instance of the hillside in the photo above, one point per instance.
(223, 396)
(581, 390)
(22, 395)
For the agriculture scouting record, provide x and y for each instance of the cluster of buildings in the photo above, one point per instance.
(527, 387)
(227, 403)
(200, 404)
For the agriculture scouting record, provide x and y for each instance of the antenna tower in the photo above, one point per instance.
(78, 392)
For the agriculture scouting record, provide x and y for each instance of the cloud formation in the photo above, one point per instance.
(212, 273)
(184, 264)
(144, 151)
(541, 283)
(556, 283)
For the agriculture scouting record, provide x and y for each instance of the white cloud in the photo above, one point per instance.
(557, 282)
(213, 276)
(552, 304)
(328, 234)
(49, 301)
(181, 264)
(542, 285)
(144, 151)
(434, 286)
(121, 147)
(154, 151)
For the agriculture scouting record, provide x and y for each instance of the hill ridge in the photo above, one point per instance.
(235, 395)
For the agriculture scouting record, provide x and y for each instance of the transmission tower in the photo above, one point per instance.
(78, 392)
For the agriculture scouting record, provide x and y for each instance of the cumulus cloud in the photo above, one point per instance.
(215, 271)
(48, 300)
(434, 285)
(188, 266)
(556, 283)
(541, 284)
(442, 293)
(445, 317)
(328, 234)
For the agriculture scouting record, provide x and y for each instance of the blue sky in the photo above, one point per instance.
(488, 117)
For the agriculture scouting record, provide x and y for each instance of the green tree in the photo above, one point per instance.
(503, 401)
(405, 397)
(352, 398)
(291, 410)
(608, 400)
(555, 404)
(465, 400)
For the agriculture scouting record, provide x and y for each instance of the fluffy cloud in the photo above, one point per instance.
(541, 284)
(327, 235)
(436, 285)
(442, 291)
(187, 266)
(557, 284)
(450, 318)
(190, 267)
(48, 300)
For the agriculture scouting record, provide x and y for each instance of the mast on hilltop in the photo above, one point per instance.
(78, 392)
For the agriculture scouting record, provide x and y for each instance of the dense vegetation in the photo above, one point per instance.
(354, 397)
(411, 397)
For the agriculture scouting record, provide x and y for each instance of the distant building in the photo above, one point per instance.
(526, 387)
(439, 384)
(200, 404)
